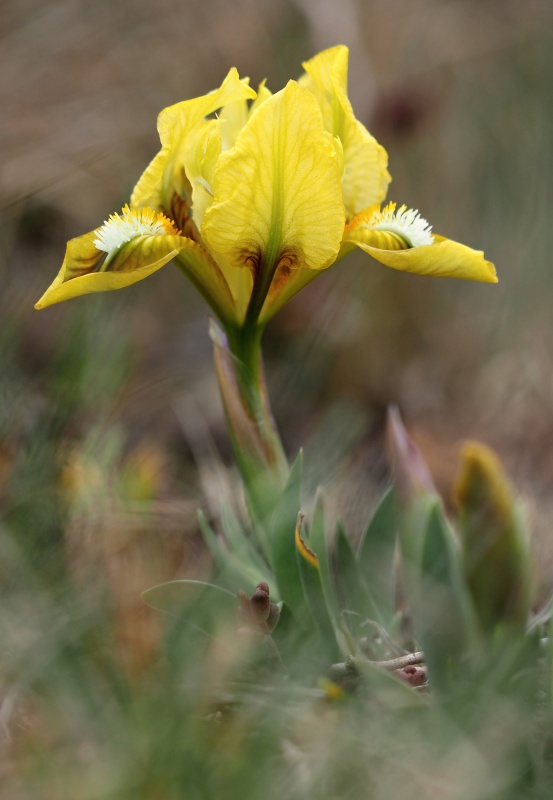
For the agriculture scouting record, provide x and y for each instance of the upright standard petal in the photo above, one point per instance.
(202, 148)
(277, 192)
(165, 176)
(402, 240)
(365, 178)
(233, 117)
(200, 155)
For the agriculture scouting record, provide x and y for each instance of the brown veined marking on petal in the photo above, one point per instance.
(288, 261)
(251, 257)
(304, 550)
(180, 214)
(97, 267)
(89, 265)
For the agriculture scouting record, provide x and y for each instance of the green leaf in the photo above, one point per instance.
(541, 626)
(296, 644)
(313, 591)
(352, 589)
(240, 541)
(376, 556)
(442, 612)
(232, 571)
(282, 531)
(319, 543)
(204, 605)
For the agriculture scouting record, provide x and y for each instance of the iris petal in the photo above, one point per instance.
(165, 174)
(444, 258)
(81, 271)
(86, 269)
(365, 177)
(277, 191)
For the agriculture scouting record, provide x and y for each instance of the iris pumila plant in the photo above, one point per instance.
(253, 195)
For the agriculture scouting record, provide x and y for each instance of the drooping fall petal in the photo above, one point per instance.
(402, 240)
(82, 268)
(128, 248)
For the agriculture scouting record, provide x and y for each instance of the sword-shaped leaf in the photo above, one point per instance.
(355, 596)
(282, 529)
(376, 555)
(239, 540)
(319, 543)
(443, 615)
(232, 571)
(313, 591)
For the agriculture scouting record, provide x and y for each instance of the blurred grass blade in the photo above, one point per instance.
(203, 605)
(174, 596)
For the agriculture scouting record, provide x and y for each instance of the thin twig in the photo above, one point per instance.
(399, 663)
(349, 668)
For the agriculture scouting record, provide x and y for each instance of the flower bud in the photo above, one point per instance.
(412, 477)
(257, 613)
(496, 554)
(260, 604)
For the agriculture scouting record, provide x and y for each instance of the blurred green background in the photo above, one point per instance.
(111, 429)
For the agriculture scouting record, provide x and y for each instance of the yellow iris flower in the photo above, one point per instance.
(254, 201)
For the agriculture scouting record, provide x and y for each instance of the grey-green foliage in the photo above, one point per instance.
(482, 725)
(216, 715)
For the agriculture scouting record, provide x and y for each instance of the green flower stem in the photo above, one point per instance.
(255, 439)
(245, 345)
